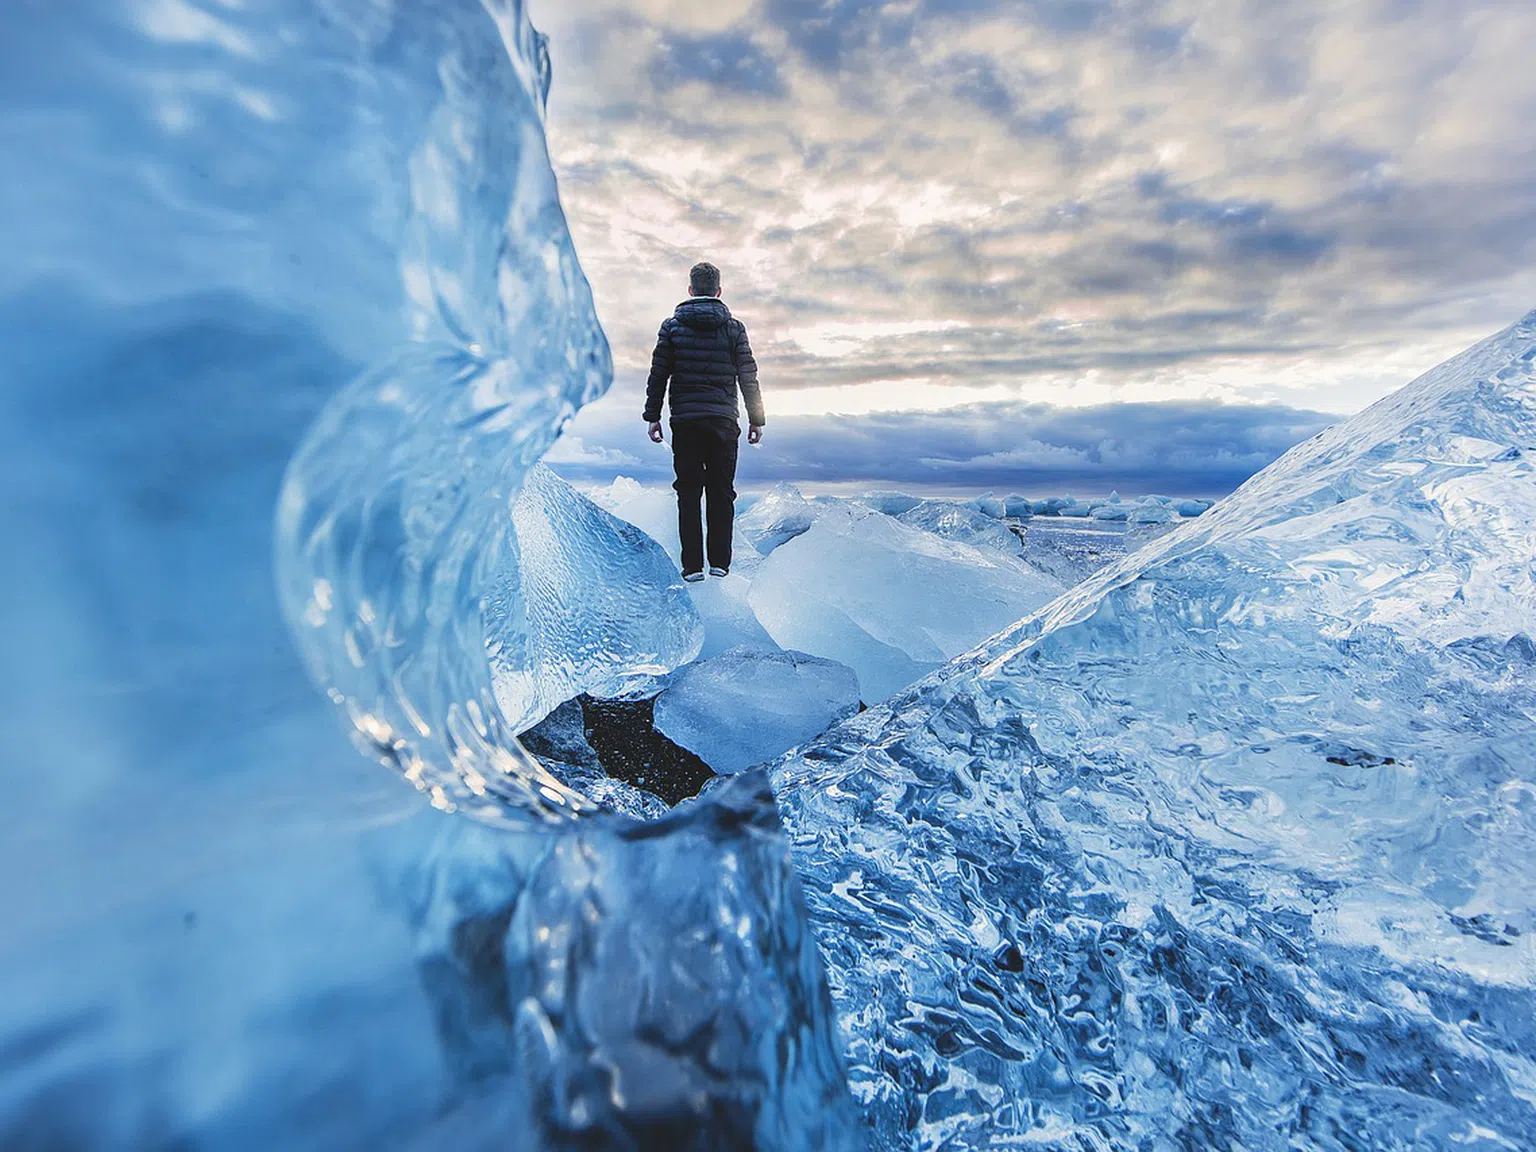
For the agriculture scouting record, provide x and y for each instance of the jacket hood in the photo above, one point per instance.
(702, 312)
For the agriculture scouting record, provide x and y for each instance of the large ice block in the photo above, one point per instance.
(1231, 845)
(749, 705)
(781, 515)
(890, 601)
(966, 523)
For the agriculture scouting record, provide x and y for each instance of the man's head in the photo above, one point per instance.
(704, 279)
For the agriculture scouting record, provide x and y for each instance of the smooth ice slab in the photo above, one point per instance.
(890, 601)
(748, 705)
(1231, 845)
(724, 605)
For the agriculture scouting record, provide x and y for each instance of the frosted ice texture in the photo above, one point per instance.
(593, 605)
(215, 216)
(890, 601)
(1232, 844)
(640, 986)
(781, 515)
(747, 705)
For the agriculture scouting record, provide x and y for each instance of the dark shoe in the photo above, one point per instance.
(693, 577)
(719, 571)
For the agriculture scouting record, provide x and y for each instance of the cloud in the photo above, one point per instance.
(1187, 447)
(1062, 189)
(574, 451)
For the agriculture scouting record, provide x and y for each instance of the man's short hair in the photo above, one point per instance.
(704, 279)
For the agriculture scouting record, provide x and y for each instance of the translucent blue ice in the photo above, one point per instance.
(781, 515)
(889, 600)
(749, 705)
(968, 523)
(592, 605)
(1231, 845)
(304, 262)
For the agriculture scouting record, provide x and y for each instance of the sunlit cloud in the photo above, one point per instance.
(926, 204)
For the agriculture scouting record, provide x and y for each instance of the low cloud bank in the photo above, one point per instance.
(1189, 447)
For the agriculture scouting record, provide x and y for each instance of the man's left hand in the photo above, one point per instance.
(754, 433)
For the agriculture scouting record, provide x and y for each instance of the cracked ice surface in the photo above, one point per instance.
(1232, 844)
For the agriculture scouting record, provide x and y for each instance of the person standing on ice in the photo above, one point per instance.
(703, 351)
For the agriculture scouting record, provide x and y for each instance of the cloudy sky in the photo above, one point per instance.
(1027, 243)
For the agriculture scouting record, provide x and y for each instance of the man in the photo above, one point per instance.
(703, 351)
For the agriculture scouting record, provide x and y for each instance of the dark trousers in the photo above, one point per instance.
(704, 458)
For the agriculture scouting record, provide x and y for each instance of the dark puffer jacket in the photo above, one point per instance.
(703, 350)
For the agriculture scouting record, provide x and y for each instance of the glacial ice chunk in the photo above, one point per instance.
(889, 600)
(747, 705)
(1019, 507)
(781, 515)
(891, 503)
(1111, 511)
(963, 522)
(592, 605)
(725, 606)
(629, 986)
(1150, 512)
(1231, 845)
(989, 505)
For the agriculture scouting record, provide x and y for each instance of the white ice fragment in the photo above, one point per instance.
(779, 516)
(889, 600)
(749, 705)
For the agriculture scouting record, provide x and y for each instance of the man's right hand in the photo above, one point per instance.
(655, 431)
